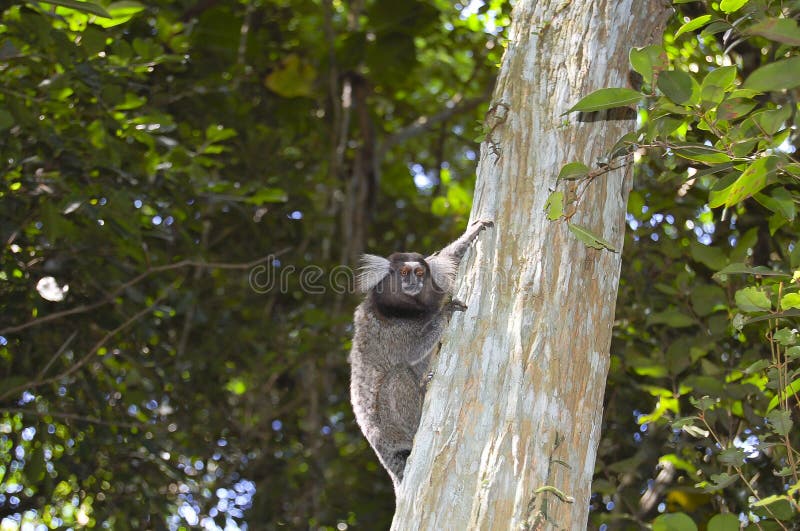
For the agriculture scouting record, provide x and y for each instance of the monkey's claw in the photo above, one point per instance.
(456, 305)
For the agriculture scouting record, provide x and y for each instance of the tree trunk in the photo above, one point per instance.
(512, 417)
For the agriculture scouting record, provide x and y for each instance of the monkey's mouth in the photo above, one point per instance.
(412, 289)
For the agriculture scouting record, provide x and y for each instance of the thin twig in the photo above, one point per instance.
(72, 416)
(57, 355)
(426, 123)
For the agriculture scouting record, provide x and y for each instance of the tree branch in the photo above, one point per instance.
(424, 124)
(111, 296)
(72, 416)
(87, 357)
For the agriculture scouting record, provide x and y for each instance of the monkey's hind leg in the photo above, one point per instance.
(399, 405)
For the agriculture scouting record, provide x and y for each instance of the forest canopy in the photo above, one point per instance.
(186, 184)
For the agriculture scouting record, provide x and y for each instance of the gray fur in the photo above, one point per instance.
(395, 335)
(373, 269)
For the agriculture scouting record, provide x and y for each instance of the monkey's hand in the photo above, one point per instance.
(455, 305)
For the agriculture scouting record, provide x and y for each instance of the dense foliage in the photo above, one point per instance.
(160, 162)
(706, 343)
(164, 162)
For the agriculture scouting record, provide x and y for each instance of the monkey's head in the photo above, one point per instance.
(403, 283)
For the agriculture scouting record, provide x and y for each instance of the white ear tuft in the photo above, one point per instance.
(373, 269)
(443, 270)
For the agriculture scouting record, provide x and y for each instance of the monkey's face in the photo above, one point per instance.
(409, 274)
(412, 276)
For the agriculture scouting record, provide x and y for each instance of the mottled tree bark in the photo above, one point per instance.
(512, 417)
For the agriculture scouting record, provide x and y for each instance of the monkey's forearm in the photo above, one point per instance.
(458, 248)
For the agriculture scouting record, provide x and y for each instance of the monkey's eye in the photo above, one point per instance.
(420, 272)
(405, 270)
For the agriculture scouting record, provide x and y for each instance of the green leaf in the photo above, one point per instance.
(693, 24)
(83, 7)
(789, 390)
(722, 77)
(217, 133)
(674, 522)
(712, 257)
(731, 456)
(672, 318)
(731, 6)
(607, 98)
(716, 83)
(718, 482)
(779, 315)
(790, 300)
(742, 269)
(267, 195)
(295, 78)
(702, 153)
(555, 206)
(780, 202)
(785, 336)
(590, 239)
(783, 30)
(780, 75)
(120, 12)
(677, 85)
(780, 507)
(756, 367)
(573, 170)
(723, 522)
(706, 298)
(734, 108)
(752, 299)
(781, 421)
(648, 60)
(751, 181)
(773, 120)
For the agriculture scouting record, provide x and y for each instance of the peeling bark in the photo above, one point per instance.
(512, 417)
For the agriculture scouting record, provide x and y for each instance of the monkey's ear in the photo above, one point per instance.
(443, 270)
(373, 269)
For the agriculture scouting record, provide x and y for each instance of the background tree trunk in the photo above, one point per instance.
(512, 419)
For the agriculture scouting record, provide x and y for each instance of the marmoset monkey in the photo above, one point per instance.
(408, 304)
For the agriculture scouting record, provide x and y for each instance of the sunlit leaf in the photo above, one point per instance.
(648, 60)
(120, 12)
(293, 79)
(693, 25)
(752, 299)
(555, 205)
(731, 6)
(790, 300)
(751, 181)
(82, 6)
(790, 390)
